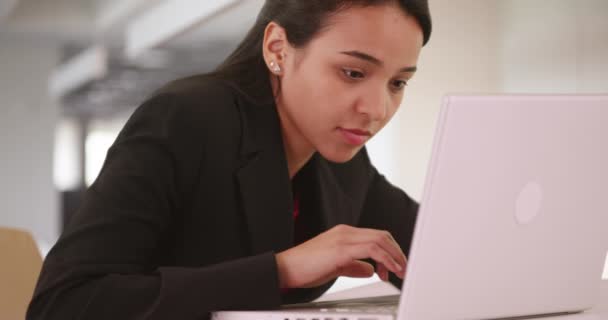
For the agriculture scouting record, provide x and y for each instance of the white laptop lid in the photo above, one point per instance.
(514, 217)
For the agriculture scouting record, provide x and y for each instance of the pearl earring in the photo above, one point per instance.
(275, 67)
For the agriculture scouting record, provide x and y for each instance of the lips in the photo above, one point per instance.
(355, 137)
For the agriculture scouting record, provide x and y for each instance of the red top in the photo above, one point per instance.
(296, 208)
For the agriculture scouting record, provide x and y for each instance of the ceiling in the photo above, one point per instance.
(78, 24)
(54, 20)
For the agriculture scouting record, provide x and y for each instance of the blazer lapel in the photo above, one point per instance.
(263, 180)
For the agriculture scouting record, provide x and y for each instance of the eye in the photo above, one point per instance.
(398, 84)
(353, 74)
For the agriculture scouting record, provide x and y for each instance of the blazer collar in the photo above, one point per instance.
(265, 187)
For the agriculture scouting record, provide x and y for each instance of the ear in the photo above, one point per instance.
(275, 48)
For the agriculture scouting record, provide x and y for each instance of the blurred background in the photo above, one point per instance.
(72, 72)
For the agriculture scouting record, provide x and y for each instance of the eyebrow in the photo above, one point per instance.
(374, 60)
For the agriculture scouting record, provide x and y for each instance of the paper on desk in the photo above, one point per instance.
(375, 289)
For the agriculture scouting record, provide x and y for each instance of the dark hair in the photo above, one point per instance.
(302, 20)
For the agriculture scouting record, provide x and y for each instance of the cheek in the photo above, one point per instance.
(295, 91)
(316, 94)
(322, 85)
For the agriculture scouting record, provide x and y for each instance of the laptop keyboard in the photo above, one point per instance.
(364, 308)
(380, 305)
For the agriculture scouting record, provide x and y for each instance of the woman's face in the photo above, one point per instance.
(345, 85)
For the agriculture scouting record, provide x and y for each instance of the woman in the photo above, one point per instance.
(249, 187)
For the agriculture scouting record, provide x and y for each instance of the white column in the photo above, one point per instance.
(28, 199)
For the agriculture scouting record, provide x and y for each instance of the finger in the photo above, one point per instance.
(398, 246)
(398, 253)
(382, 272)
(382, 238)
(401, 274)
(357, 269)
(375, 252)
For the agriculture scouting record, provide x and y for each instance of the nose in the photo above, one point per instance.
(374, 104)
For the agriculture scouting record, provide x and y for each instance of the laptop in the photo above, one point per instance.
(513, 221)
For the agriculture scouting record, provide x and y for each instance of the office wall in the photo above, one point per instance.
(559, 46)
(27, 122)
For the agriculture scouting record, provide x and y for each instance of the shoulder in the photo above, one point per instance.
(201, 98)
(184, 122)
(187, 120)
(192, 106)
(199, 88)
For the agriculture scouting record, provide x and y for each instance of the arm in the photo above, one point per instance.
(106, 264)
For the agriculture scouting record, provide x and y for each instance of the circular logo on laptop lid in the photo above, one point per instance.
(529, 203)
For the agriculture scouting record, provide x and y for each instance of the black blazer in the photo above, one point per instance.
(193, 201)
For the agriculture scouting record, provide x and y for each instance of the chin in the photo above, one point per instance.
(339, 155)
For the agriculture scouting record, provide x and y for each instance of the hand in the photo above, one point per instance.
(338, 252)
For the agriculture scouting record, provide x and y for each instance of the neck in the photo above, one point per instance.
(298, 149)
(296, 152)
